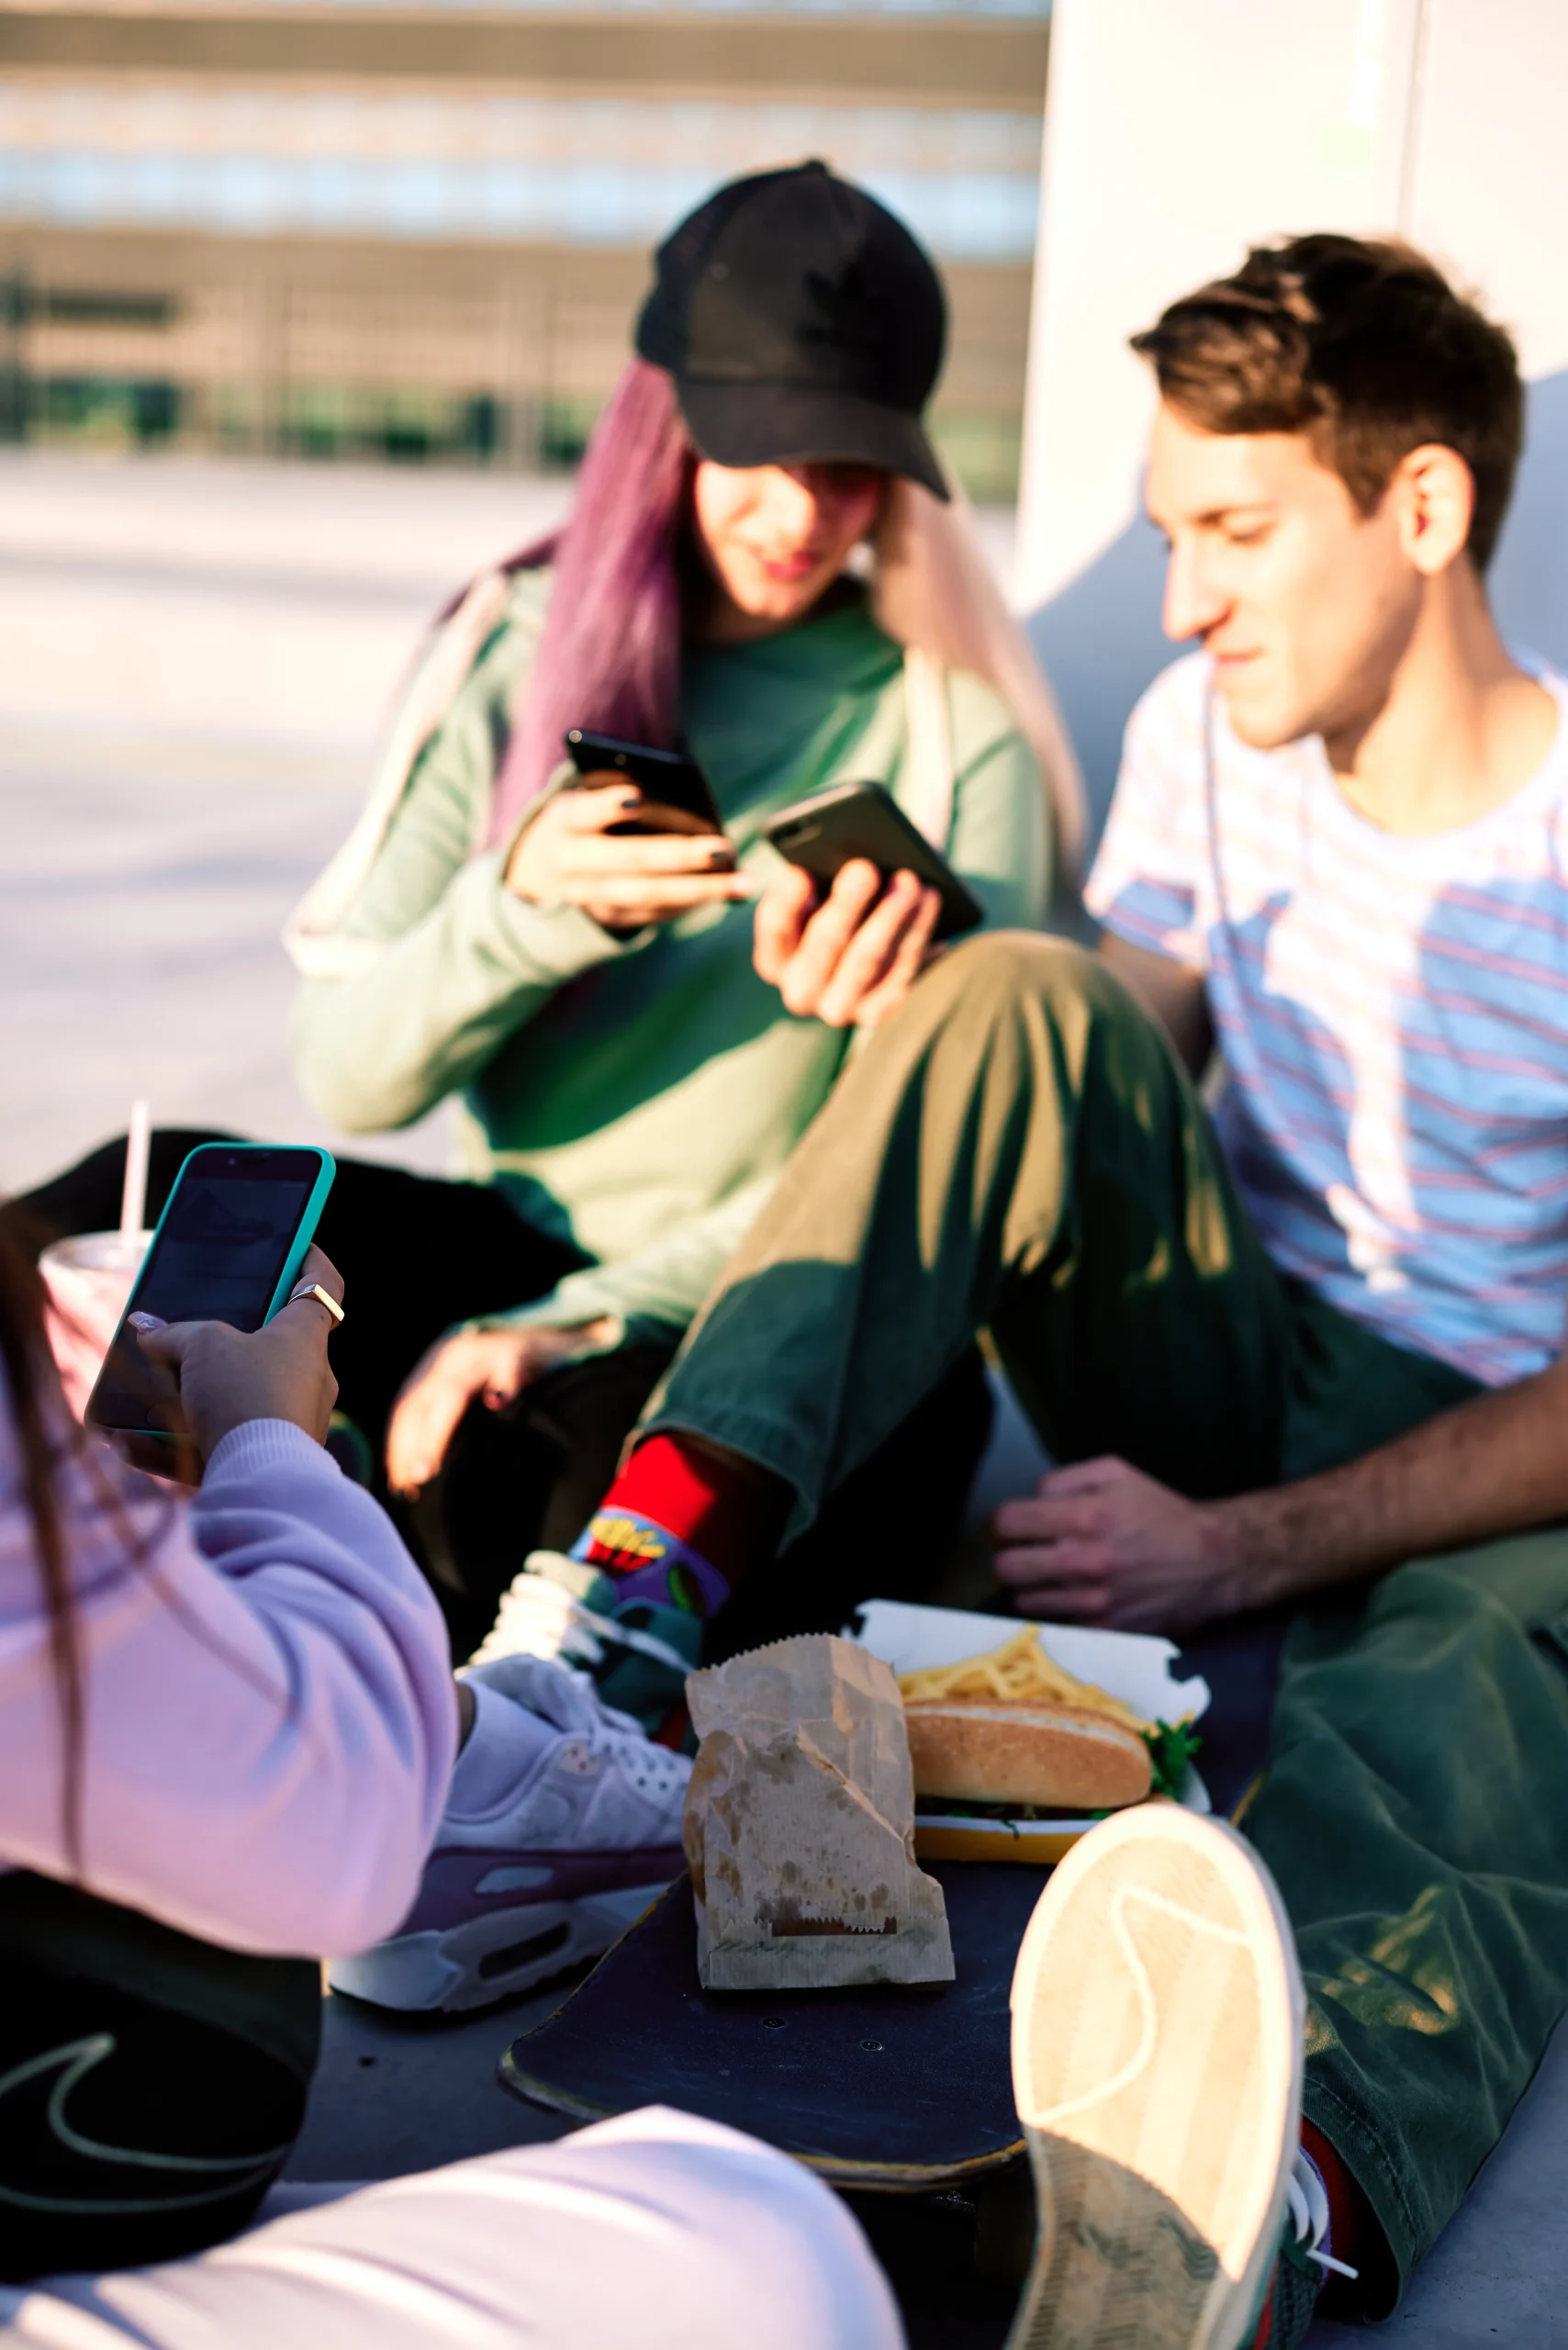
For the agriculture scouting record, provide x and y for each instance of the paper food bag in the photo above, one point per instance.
(800, 1825)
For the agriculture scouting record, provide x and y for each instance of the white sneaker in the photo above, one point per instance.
(572, 1853)
(1158, 2021)
(639, 1653)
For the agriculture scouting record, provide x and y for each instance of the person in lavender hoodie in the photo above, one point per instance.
(228, 1733)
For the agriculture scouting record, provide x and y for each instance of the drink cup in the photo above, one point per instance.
(89, 1278)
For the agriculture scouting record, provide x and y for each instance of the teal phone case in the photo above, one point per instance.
(304, 1234)
(308, 1221)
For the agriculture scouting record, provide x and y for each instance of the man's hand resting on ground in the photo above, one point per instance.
(1101, 1543)
(491, 1365)
(850, 958)
(227, 1376)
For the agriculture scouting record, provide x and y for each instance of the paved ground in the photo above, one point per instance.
(194, 662)
(394, 2096)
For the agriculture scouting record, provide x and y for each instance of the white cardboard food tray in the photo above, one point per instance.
(1133, 1666)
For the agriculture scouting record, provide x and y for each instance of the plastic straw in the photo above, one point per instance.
(133, 1199)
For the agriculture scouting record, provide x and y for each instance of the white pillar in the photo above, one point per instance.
(1178, 132)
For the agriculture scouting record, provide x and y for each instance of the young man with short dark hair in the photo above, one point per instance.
(1305, 1349)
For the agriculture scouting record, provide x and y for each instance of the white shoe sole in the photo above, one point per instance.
(1157, 2021)
(486, 1958)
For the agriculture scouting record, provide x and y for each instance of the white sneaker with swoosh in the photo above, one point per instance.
(1158, 2017)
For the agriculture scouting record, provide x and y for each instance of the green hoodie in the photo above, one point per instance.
(636, 1097)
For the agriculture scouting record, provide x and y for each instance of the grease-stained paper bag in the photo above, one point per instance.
(800, 1825)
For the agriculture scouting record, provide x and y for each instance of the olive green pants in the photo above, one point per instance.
(1019, 1151)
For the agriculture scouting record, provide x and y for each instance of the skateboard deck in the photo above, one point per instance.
(894, 2087)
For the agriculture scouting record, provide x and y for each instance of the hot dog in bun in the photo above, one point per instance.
(1063, 1757)
(1014, 1728)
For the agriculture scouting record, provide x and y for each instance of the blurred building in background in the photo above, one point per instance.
(368, 229)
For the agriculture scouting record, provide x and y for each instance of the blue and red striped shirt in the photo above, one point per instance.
(1392, 1016)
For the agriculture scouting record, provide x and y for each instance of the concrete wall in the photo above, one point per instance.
(1176, 137)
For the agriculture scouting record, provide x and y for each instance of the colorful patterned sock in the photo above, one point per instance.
(647, 1563)
(678, 1526)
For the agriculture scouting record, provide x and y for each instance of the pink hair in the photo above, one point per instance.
(610, 654)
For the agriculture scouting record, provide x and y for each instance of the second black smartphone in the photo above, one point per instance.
(666, 779)
(865, 820)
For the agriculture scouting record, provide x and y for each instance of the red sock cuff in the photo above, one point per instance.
(1352, 2231)
(727, 1511)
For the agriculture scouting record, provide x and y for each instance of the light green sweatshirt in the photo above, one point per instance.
(636, 1097)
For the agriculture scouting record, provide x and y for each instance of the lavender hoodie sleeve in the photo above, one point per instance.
(269, 1711)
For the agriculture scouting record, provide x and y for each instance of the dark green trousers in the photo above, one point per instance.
(1019, 1151)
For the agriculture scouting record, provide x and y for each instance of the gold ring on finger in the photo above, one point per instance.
(322, 1297)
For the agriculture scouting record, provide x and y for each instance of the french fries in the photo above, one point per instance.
(1019, 1672)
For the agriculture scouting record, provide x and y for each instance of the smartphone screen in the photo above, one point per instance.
(217, 1256)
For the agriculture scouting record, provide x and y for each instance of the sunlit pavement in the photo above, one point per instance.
(195, 664)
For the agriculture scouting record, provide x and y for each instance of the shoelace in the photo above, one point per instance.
(538, 1617)
(1307, 2207)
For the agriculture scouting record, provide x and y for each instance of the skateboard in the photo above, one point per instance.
(893, 2088)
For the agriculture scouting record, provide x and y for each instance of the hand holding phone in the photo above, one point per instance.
(846, 928)
(596, 845)
(228, 1249)
(847, 957)
(225, 1376)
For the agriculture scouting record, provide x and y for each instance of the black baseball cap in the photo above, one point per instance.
(799, 319)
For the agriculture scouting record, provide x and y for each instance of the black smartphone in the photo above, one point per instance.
(228, 1248)
(668, 780)
(865, 820)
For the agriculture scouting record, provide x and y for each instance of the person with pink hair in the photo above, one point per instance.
(767, 564)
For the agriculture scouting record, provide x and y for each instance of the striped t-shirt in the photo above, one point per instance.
(1392, 1014)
